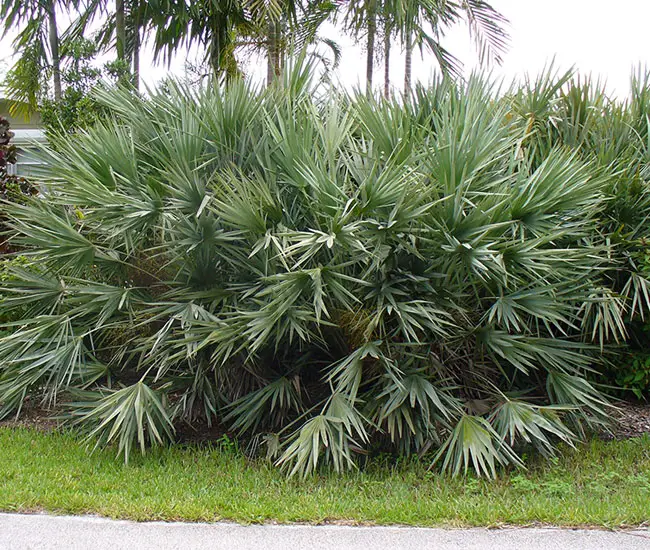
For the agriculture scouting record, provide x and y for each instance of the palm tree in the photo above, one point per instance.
(172, 25)
(408, 61)
(271, 22)
(124, 30)
(275, 27)
(412, 16)
(279, 28)
(38, 46)
(131, 21)
(138, 25)
(371, 9)
(221, 27)
(360, 19)
(387, 30)
(422, 23)
(120, 29)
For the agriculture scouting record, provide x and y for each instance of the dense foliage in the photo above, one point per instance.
(12, 187)
(7, 157)
(331, 276)
(7, 150)
(224, 33)
(77, 108)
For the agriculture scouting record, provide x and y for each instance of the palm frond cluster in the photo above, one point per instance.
(330, 276)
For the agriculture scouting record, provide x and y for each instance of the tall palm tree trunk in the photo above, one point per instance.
(408, 64)
(215, 49)
(387, 62)
(53, 37)
(136, 23)
(120, 30)
(370, 55)
(136, 59)
(273, 68)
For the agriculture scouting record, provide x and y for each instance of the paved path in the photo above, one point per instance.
(42, 532)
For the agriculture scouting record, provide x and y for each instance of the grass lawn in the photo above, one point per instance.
(601, 484)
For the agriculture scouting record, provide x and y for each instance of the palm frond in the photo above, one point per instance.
(474, 441)
(133, 415)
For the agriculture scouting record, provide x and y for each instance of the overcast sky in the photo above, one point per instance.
(600, 37)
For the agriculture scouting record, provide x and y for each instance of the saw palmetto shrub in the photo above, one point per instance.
(326, 276)
(560, 110)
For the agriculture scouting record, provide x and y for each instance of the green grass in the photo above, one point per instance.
(603, 484)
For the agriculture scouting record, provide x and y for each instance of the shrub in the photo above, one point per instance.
(15, 189)
(628, 370)
(77, 108)
(559, 110)
(324, 274)
(12, 188)
(632, 373)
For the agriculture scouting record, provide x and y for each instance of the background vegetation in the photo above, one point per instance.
(50, 34)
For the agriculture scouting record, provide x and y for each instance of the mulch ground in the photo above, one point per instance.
(32, 417)
(631, 419)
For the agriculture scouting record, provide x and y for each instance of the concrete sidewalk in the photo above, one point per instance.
(43, 532)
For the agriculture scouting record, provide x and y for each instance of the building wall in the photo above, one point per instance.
(28, 136)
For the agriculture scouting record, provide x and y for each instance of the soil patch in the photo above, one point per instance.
(32, 418)
(630, 420)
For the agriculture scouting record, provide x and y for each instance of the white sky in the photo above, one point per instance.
(600, 37)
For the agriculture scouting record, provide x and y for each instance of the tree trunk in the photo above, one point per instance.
(273, 68)
(270, 52)
(387, 62)
(120, 30)
(370, 55)
(136, 58)
(270, 46)
(408, 64)
(135, 11)
(214, 50)
(53, 35)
